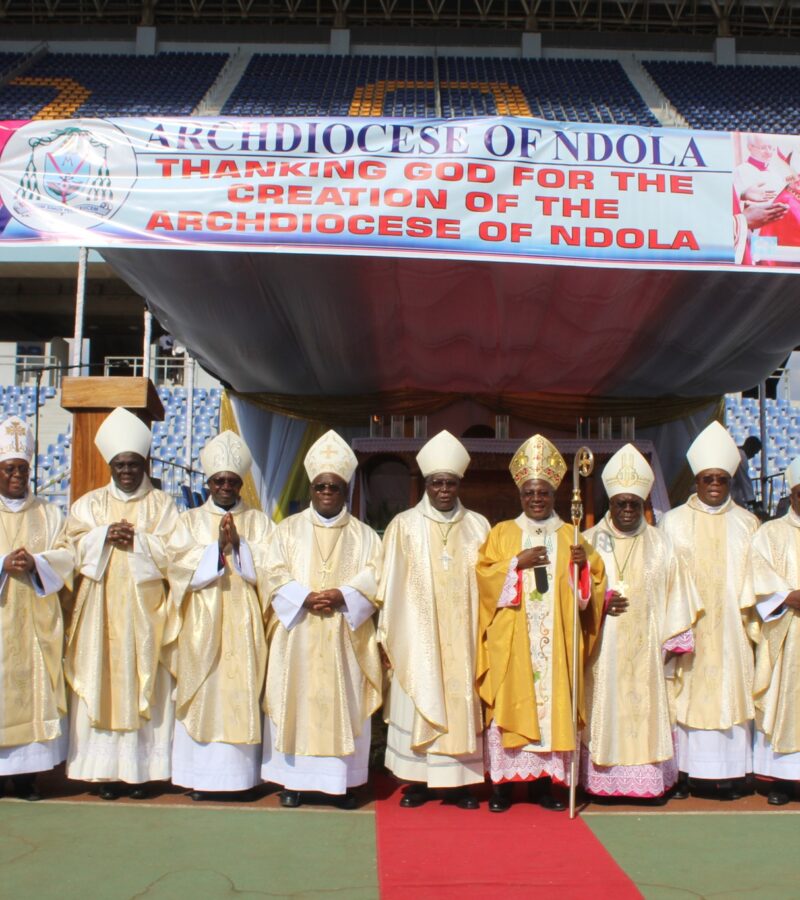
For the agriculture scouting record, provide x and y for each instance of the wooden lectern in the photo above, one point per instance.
(90, 400)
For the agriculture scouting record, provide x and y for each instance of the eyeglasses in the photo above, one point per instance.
(443, 484)
(323, 486)
(10, 471)
(626, 504)
(715, 479)
(233, 482)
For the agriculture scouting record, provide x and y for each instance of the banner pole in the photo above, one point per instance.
(80, 300)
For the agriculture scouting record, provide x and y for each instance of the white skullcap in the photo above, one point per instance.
(227, 452)
(793, 472)
(122, 432)
(443, 453)
(628, 472)
(330, 454)
(16, 440)
(714, 448)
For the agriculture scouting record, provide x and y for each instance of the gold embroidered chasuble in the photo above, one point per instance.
(505, 669)
(776, 570)
(626, 692)
(714, 685)
(115, 637)
(429, 622)
(323, 679)
(32, 694)
(219, 649)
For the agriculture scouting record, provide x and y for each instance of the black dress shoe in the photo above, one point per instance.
(461, 797)
(347, 801)
(553, 801)
(109, 791)
(290, 799)
(501, 798)
(681, 789)
(25, 787)
(778, 798)
(415, 795)
(729, 790)
(139, 792)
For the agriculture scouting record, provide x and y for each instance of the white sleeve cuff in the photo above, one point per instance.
(357, 609)
(48, 581)
(243, 563)
(768, 606)
(95, 553)
(141, 563)
(208, 569)
(508, 595)
(288, 604)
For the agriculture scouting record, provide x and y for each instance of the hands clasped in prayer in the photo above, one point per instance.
(228, 535)
(324, 603)
(18, 561)
(120, 534)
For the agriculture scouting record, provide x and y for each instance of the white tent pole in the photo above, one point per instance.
(146, 341)
(189, 381)
(762, 421)
(80, 299)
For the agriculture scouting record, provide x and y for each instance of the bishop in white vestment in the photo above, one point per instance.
(776, 581)
(220, 653)
(651, 605)
(121, 706)
(324, 677)
(429, 630)
(714, 685)
(33, 703)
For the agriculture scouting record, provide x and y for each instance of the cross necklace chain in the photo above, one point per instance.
(622, 585)
(445, 558)
(326, 569)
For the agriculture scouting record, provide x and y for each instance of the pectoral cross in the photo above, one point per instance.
(16, 431)
(325, 572)
(622, 588)
(446, 559)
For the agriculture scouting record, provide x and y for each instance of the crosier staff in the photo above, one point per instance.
(581, 468)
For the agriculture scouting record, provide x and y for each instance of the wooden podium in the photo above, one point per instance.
(90, 400)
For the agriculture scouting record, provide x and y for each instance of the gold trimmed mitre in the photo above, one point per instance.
(628, 472)
(330, 454)
(16, 440)
(227, 452)
(539, 459)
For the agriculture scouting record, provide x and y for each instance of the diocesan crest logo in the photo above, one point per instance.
(74, 175)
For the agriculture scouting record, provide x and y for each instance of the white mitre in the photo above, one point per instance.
(16, 440)
(628, 472)
(330, 454)
(714, 448)
(443, 453)
(793, 473)
(227, 452)
(122, 432)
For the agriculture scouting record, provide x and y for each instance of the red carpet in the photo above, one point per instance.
(439, 851)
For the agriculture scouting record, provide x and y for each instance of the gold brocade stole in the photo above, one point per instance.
(130, 659)
(710, 576)
(222, 655)
(456, 632)
(778, 711)
(31, 638)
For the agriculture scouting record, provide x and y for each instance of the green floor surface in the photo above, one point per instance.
(70, 851)
(705, 855)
